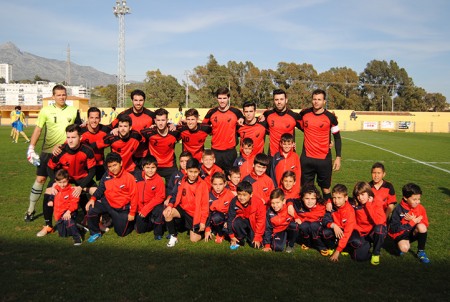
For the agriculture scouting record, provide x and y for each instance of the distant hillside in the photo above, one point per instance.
(26, 66)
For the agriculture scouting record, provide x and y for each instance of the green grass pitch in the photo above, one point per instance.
(138, 268)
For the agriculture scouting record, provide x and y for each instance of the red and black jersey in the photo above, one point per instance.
(193, 198)
(223, 125)
(232, 187)
(317, 130)
(220, 202)
(63, 201)
(151, 191)
(257, 132)
(278, 124)
(206, 173)
(305, 214)
(162, 147)
(90, 138)
(140, 121)
(285, 162)
(262, 186)
(77, 162)
(245, 164)
(254, 211)
(194, 140)
(398, 224)
(276, 222)
(369, 215)
(386, 193)
(292, 194)
(125, 146)
(343, 217)
(120, 191)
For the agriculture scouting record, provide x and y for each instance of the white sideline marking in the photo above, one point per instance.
(401, 155)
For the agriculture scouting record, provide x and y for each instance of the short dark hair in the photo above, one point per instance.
(286, 137)
(192, 163)
(278, 91)
(362, 187)
(137, 92)
(58, 87)
(378, 165)
(262, 159)
(244, 186)
(247, 142)
(249, 104)
(208, 152)
(113, 157)
(219, 175)
(74, 128)
(113, 108)
(148, 160)
(289, 173)
(277, 193)
(61, 174)
(94, 109)
(185, 154)
(162, 111)
(311, 189)
(319, 91)
(123, 118)
(340, 188)
(191, 112)
(411, 189)
(234, 170)
(222, 90)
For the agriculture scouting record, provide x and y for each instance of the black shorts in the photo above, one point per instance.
(42, 169)
(312, 167)
(188, 220)
(225, 158)
(99, 172)
(407, 235)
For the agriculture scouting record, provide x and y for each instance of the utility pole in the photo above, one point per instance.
(68, 66)
(187, 88)
(120, 10)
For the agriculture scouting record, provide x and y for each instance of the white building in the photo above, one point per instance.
(6, 72)
(32, 94)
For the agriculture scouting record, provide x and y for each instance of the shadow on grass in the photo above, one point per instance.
(116, 269)
(445, 191)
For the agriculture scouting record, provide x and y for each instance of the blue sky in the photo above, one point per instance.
(176, 36)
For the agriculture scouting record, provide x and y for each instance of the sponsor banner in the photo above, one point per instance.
(404, 125)
(370, 126)
(387, 125)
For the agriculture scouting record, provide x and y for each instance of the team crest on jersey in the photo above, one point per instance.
(265, 189)
(288, 126)
(153, 188)
(121, 186)
(293, 167)
(226, 202)
(66, 197)
(183, 193)
(344, 220)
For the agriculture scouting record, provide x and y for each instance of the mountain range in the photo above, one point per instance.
(25, 66)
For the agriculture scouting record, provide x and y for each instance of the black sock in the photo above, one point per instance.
(421, 241)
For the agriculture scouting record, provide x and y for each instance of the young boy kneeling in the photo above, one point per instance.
(116, 195)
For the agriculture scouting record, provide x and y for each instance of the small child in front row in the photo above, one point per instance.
(219, 202)
(382, 189)
(191, 205)
(262, 184)
(246, 218)
(280, 226)
(289, 185)
(151, 191)
(246, 157)
(340, 224)
(234, 178)
(409, 222)
(286, 159)
(370, 218)
(308, 212)
(65, 207)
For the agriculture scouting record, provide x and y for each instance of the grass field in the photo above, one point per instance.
(137, 268)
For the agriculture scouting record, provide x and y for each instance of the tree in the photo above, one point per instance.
(436, 102)
(2, 80)
(341, 84)
(162, 90)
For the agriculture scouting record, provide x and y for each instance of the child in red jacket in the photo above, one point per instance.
(219, 202)
(280, 226)
(370, 218)
(208, 167)
(289, 186)
(308, 212)
(191, 205)
(246, 158)
(151, 191)
(246, 218)
(285, 159)
(340, 224)
(262, 184)
(234, 178)
(65, 206)
(409, 222)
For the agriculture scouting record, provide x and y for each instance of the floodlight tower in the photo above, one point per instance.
(120, 10)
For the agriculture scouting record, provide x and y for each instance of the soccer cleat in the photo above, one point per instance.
(29, 217)
(172, 241)
(45, 230)
(324, 253)
(27, 141)
(158, 237)
(305, 247)
(94, 237)
(218, 239)
(423, 257)
(289, 249)
(77, 241)
(375, 260)
(344, 253)
(234, 247)
(330, 252)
